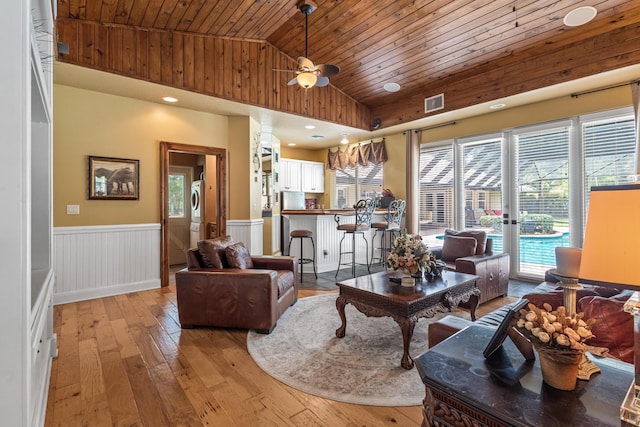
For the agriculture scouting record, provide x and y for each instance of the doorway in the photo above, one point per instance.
(215, 161)
(180, 179)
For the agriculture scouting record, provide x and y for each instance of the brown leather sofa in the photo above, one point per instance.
(470, 252)
(224, 286)
(613, 329)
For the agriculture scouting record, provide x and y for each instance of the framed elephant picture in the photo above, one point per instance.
(113, 179)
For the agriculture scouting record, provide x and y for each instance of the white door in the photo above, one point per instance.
(179, 213)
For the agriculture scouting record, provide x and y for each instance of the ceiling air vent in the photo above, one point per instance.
(434, 103)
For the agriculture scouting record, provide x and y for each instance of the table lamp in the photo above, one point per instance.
(567, 271)
(610, 257)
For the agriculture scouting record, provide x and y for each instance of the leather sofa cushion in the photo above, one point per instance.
(613, 328)
(555, 297)
(479, 235)
(455, 247)
(238, 256)
(553, 294)
(212, 251)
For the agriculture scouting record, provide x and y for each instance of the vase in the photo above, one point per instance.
(407, 280)
(559, 367)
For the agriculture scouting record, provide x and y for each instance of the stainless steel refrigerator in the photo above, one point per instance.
(293, 200)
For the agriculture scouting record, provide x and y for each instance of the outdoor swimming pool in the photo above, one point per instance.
(537, 250)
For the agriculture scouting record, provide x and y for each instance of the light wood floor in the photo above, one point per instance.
(124, 361)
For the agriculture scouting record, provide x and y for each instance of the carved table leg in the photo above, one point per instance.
(473, 304)
(406, 325)
(340, 303)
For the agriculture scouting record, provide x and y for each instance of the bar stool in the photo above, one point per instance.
(363, 213)
(303, 234)
(388, 228)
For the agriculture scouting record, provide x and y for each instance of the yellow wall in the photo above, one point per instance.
(540, 112)
(92, 123)
(244, 185)
(554, 109)
(394, 169)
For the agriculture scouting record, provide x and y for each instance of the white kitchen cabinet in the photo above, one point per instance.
(290, 171)
(301, 175)
(312, 177)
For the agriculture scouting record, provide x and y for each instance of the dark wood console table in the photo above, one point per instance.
(463, 388)
(376, 295)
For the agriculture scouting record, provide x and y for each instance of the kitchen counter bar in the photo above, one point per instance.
(326, 211)
(326, 236)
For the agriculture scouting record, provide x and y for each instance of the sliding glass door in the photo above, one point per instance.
(527, 187)
(541, 220)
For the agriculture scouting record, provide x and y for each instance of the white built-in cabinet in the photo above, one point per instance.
(302, 175)
(312, 177)
(290, 175)
(26, 114)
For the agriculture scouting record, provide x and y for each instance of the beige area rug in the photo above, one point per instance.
(363, 367)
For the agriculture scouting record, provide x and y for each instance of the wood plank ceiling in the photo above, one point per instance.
(473, 51)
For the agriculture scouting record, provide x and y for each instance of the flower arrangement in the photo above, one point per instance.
(554, 328)
(410, 253)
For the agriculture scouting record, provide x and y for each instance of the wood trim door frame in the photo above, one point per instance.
(221, 181)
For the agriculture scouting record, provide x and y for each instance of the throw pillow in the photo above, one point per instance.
(455, 247)
(613, 328)
(212, 251)
(479, 235)
(238, 256)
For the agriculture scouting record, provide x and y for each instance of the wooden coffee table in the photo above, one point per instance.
(375, 295)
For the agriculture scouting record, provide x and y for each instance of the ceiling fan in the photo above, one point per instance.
(309, 74)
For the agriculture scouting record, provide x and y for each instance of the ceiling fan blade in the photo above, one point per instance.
(327, 70)
(322, 81)
(292, 81)
(283, 70)
(306, 63)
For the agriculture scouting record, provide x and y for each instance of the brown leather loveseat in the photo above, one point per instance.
(470, 252)
(613, 330)
(224, 286)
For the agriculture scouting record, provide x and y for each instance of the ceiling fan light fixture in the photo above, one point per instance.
(307, 79)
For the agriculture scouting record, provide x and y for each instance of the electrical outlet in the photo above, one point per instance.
(73, 209)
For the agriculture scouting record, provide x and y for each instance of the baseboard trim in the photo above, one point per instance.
(87, 294)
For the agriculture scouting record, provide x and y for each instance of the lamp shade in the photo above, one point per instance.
(307, 79)
(611, 249)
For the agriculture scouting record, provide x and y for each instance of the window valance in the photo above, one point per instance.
(372, 153)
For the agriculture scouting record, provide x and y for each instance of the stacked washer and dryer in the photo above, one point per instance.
(197, 213)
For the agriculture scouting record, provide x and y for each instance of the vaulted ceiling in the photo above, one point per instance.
(473, 51)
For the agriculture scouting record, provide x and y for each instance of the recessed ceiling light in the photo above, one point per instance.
(391, 87)
(580, 16)
(170, 99)
(317, 136)
(291, 144)
(344, 139)
(309, 127)
(497, 106)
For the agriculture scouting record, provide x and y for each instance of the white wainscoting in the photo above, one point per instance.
(248, 232)
(327, 240)
(97, 261)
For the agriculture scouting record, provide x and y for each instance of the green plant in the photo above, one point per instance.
(491, 221)
(536, 224)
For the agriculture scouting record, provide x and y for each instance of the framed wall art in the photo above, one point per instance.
(113, 179)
